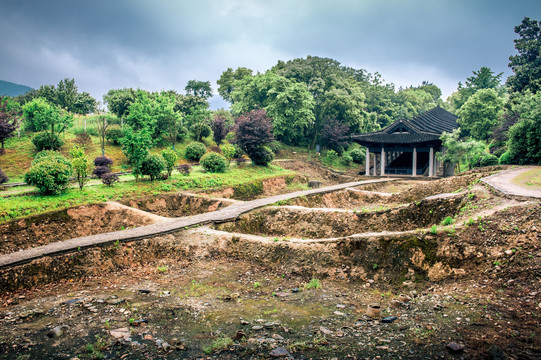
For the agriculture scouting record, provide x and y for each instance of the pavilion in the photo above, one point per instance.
(408, 147)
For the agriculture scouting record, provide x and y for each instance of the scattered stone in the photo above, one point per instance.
(454, 348)
(257, 327)
(55, 332)
(314, 184)
(277, 337)
(389, 319)
(120, 333)
(295, 290)
(244, 322)
(495, 353)
(373, 310)
(396, 303)
(325, 331)
(144, 291)
(114, 301)
(239, 335)
(73, 301)
(341, 306)
(279, 352)
(281, 294)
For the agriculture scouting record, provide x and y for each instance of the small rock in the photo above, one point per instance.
(279, 352)
(339, 313)
(257, 327)
(55, 332)
(341, 306)
(166, 346)
(120, 333)
(389, 319)
(325, 331)
(244, 322)
(295, 290)
(314, 184)
(239, 335)
(277, 337)
(454, 348)
(144, 291)
(508, 252)
(396, 303)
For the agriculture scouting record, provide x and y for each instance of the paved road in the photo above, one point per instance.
(502, 182)
(229, 213)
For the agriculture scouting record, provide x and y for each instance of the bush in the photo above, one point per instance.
(99, 171)
(152, 166)
(275, 146)
(113, 135)
(200, 130)
(103, 161)
(240, 161)
(109, 179)
(169, 157)
(488, 160)
(347, 159)
(49, 173)
(331, 156)
(214, 162)
(357, 155)
(216, 149)
(83, 140)
(506, 158)
(182, 133)
(253, 130)
(45, 154)
(228, 151)
(44, 141)
(195, 150)
(262, 156)
(3, 177)
(184, 169)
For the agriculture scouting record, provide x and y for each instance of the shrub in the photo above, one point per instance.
(44, 141)
(220, 128)
(275, 146)
(103, 161)
(331, 156)
(346, 159)
(261, 156)
(99, 171)
(216, 149)
(506, 158)
(114, 134)
(47, 153)
(214, 162)
(488, 160)
(184, 169)
(80, 165)
(357, 155)
(83, 139)
(169, 156)
(152, 166)
(109, 179)
(3, 177)
(200, 130)
(240, 161)
(253, 130)
(195, 150)
(228, 151)
(49, 173)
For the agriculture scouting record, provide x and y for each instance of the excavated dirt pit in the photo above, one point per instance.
(178, 205)
(70, 223)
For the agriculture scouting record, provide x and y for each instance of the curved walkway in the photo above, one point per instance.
(502, 182)
(230, 213)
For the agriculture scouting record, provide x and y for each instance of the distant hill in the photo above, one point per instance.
(12, 89)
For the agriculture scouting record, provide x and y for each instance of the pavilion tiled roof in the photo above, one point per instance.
(424, 128)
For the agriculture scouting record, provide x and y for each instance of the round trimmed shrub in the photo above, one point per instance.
(3, 177)
(262, 156)
(109, 179)
(357, 155)
(47, 154)
(488, 160)
(43, 141)
(195, 150)
(49, 173)
(213, 162)
(152, 166)
(200, 130)
(228, 151)
(103, 161)
(99, 171)
(114, 134)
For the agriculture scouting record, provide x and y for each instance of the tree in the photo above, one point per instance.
(333, 135)
(253, 131)
(524, 142)
(170, 157)
(527, 63)
(135, 145)
(119, 100)
(200, 89)
(50, 173)
(479, 115)
(80, 164)
(103, 121)
(9, 122)
(458, 151)
(220, 128)
(152, 165)
(226, 83)
(484, 78)
(50, 118)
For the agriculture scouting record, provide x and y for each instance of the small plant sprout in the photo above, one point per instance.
(313, 284)
(257, 284)
(434, 229)
(447, 221)
(163, 269)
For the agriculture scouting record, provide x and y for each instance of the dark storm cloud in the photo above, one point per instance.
(162, 44)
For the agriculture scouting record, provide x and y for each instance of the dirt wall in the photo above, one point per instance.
(178, 205)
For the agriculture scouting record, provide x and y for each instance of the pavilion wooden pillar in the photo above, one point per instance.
(367, 162)
(414, 162)
(375, 164)
(431, 162)
(382, 161)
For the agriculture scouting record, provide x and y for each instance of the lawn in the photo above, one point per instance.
(530, 179)
(14, 207)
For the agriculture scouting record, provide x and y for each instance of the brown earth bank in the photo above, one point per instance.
(178, 205)
(69, 223)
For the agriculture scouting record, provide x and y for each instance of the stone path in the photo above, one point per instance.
(502, 182)
(229, 213)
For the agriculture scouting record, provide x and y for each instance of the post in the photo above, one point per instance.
(367, 162)
(414, 161)
(431, 162)
(375, 164)
(382, 161)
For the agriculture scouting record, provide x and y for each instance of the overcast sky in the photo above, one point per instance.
(161, 44)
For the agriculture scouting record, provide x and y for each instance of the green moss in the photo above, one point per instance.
(248, 191)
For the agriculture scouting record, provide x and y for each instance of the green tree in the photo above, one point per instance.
(103, 121)
(527, 63)
(200, 89)
(461, 152)
(226, 83)
(478, 116)
(40, 115)
(50, 173)
(118, 101)
(80, 164)
(135, 145)
(9, 122)
(524, 142)
(484, 78)
(170, 157)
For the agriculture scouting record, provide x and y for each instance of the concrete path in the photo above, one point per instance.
(229, 213)
(502, 182)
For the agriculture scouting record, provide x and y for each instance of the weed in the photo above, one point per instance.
(447, 221)
(116, 245)
(469, 222)
(434, 229)
(313, 284)
(131, 321)
(220, 344)
(298, 346)
(257, 284)
(496, 263)
(162, 269)
(375, 266)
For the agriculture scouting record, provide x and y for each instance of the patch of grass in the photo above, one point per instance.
(162, 269)
(447, 221)
(257, 284)
(434, 229)
(530, 179)
(313, 284)
(220, 344)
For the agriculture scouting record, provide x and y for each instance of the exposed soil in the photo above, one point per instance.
(243, 291)
(70, 223)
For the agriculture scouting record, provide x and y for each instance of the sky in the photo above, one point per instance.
(161, 44)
